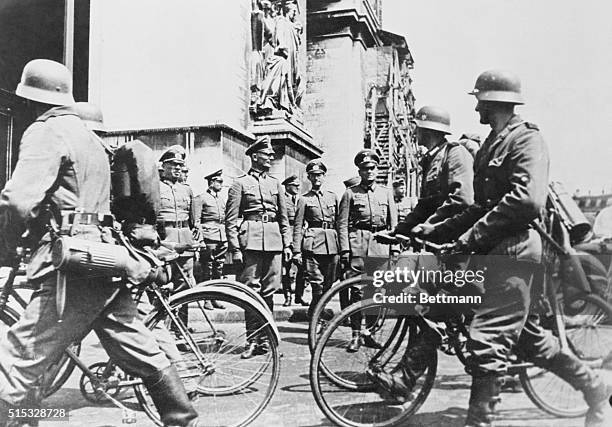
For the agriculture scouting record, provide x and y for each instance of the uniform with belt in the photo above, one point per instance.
(316, 237)
(63, 166)
(293, 275)
(262, 235)
(365, 209)
(511, 184)
(212, 227)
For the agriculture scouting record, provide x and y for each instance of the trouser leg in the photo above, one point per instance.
(37, 339)
(162, 334)
(185, 265)
(300, 284)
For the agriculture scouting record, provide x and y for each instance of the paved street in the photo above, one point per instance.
(293, 404)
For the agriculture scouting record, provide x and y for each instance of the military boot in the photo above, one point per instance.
(398, 386)
(484, 395)
(168, 393)
(595, 390)
(355, 343)
(287, 302)
(251, 349)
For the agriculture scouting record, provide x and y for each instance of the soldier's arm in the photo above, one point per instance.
(298, 227)
(343, 221)
(232, 212)
(194, 213)
(460, 185)
(283, 218)
(523, 203)
(41, 154)
(417, 216)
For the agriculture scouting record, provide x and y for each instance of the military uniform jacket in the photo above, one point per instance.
(251, 196)
(211, 208)
(510, 185)
(177, 212)
(447, 186)
(362, 212)
(315, 224)
(61, 164)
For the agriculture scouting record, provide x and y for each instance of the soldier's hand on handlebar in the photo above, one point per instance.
(385, 237)
(423, 230)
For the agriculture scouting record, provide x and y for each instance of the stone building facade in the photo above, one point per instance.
(322, 78)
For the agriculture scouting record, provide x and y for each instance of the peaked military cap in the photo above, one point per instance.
(291, 180)
(214, 175)
(262, 145)
(175, 154)
(366, 156)
(352, 181)
(316, 166)
(398, 183)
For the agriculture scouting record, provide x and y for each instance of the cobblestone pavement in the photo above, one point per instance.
(293, 404)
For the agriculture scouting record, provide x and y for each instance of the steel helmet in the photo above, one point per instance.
(498, 86)
(91, 115)
(433, 118)
(46, 81)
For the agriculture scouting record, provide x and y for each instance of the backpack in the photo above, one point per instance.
(135, 184)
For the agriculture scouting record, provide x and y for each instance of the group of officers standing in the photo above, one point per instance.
(486, 204)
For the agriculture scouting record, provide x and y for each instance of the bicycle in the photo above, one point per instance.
(360, 405)
(217, 379)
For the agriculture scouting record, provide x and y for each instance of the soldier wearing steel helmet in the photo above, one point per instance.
(446, 190)
(365, 209)
(510, 184)
(62, 182)
(315, 239)
(261, 240)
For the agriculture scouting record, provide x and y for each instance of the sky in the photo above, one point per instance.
(561, 50)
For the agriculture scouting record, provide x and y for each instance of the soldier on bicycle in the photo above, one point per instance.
(446, 190)
(62, 183)
(510, 184)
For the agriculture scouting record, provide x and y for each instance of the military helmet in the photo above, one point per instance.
(366, 156)
(434, 118)
(498, 86)
(91, 115)
(46, 81)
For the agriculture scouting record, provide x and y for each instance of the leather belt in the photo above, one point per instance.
(266, 217)
(85, 218)
(175, 224)
(368, 227)
(320, 224)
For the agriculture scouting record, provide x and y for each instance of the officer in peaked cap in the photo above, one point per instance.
(261, 239)
(211, 208)
(177, 220)
(365, 209)
(402, 202)
(315, 239)
(290, 270)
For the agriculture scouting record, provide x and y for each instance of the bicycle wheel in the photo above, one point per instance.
(589, 336)
(230, 391)
(359, 406)
(328, 305)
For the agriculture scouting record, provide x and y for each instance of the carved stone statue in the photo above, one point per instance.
(262, 33)
(281, 86)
